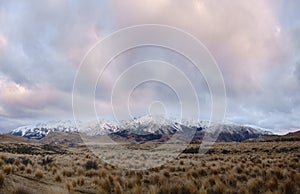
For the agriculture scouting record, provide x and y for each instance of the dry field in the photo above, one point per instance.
(253, 167)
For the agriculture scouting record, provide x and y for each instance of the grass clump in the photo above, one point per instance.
(38, 174)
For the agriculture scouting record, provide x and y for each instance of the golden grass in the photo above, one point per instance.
(243, 168)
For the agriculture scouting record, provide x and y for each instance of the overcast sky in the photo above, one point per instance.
(255, 43)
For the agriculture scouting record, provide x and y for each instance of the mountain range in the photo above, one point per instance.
(146, 128)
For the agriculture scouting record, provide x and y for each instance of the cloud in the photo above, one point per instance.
(18, 101)
(243, 36)
(256, 45)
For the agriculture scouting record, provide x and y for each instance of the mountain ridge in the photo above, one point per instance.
(146, 127)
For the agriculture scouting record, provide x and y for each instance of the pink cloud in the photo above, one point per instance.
(40, 97)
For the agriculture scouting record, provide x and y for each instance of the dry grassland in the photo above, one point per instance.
(264, 167)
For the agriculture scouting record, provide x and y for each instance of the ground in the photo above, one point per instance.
(247, 167)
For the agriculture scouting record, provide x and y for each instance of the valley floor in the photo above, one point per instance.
(252, 167)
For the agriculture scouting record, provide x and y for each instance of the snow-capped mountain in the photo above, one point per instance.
(143, 126)
(232, 132)
(263, 131)
(40, 130)
(101, 127)
(151, 124)
(195, 123)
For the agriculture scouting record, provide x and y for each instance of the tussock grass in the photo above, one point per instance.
(80, 181)
(58, 178)
(7, 169)
(67, 172)
(242, 168)
(38, 174)
(28, 170)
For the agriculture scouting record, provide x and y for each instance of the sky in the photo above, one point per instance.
(255, 43)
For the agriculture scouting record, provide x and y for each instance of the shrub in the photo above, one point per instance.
(166, 174)
(9, 160)
(224, 151)
(47, 160)
(90, 164)
(25, 161)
